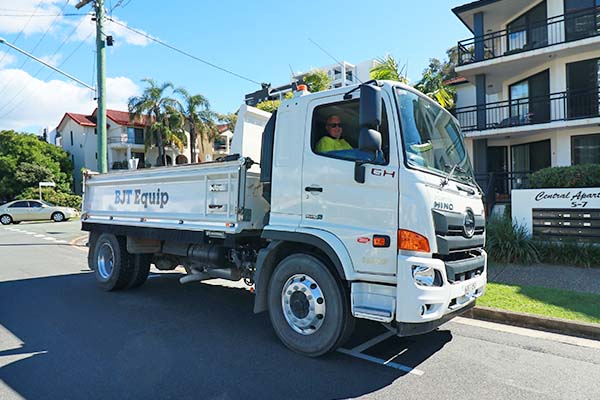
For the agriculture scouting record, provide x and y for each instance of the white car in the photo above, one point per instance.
(17, 211)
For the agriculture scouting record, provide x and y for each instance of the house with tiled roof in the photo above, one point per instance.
(77, 135)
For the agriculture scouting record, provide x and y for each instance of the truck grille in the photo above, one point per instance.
(450, 232)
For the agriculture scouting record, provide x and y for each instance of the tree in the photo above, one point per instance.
(387, 68)
(161, 113)
(201, 120)
(269, 105)
(316, 80)
(25, 160)
(432, 84)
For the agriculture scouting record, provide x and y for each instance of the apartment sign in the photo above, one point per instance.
(524, 202)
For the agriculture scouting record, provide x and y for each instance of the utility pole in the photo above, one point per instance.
(101, 67)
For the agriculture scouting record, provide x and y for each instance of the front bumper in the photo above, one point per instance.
(434, 305)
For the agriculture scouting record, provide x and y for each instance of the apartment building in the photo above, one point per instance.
(340, 74)
(77, 134)
(530, 94)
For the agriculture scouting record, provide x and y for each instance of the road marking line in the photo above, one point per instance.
(49, 238)
(61, 241)
(379, 361)
(373, 342)
(29, 233)
(555, 337)
(38, 236)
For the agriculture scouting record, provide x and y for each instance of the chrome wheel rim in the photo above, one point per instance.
(106, 260)
(303, 304)
(5, 220)
(58, 217)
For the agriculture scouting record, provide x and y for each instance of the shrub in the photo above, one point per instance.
(569, 253)
(576, 176)
(53, 196)
(509, 243)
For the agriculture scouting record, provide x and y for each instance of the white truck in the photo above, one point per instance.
(391, 230)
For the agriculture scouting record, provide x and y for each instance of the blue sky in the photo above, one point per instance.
(261, 40)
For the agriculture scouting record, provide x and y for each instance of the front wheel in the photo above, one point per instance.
(308, 307)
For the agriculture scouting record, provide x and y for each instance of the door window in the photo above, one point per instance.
(529, 31)
(583, 82)
(335, 130)
(35, 204)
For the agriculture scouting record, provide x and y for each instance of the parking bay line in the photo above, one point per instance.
(358, 353)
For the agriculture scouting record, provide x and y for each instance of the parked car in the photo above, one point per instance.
(34, 210)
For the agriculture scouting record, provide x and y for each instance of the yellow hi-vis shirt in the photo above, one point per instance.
(327, 143)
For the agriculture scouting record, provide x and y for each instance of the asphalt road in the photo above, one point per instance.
(63, 338)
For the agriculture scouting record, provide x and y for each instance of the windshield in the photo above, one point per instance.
(432, 139)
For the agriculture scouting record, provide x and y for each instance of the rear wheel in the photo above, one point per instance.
(111, 263)
(141, 267)
(308, 307)
(6, 219)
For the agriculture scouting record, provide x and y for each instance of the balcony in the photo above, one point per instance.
(556, 30)
(561, 106)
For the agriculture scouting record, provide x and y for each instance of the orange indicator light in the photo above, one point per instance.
(409, 240)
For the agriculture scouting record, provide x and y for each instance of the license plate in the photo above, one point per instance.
(470, 289)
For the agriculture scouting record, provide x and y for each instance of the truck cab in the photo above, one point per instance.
(408, 235)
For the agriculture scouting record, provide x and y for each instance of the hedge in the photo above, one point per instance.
(576, 176)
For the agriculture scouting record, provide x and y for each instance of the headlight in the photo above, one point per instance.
(424, 276)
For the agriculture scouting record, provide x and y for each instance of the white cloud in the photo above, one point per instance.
(6, 59)
(18, 16)
(30, 103)
(52, 60)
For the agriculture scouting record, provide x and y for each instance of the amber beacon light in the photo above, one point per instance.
(409, 240)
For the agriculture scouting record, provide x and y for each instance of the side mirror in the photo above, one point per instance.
(369, 139)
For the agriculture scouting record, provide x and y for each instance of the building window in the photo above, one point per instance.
(583, 82)
(71, 138)
(585, 149)
(529, 31)
(581, 19)
(530, 100)
(135, 135)
(531, 157)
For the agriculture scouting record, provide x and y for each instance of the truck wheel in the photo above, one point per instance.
(111, 262)
(308, 307)
(92, 239)
(141, 267)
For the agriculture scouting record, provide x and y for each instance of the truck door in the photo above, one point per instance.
(364, 216)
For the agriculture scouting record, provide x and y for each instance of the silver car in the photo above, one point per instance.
(34, 210)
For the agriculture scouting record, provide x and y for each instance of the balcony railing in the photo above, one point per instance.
(498, 185)
(560, 29)
(124, 140)
(561, 106)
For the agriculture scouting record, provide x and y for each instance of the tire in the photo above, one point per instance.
(58, 217)
(294, 308)
(111, 262)
(140, 263)
(6, 219)
(92, 239)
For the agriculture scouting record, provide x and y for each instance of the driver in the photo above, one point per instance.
(333, 140)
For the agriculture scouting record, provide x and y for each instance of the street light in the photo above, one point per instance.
(45, 184)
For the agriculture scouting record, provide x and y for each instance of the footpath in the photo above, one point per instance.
(582, 280)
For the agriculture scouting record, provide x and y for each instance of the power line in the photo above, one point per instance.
(44, 15)
(22, 29)
(183, 52)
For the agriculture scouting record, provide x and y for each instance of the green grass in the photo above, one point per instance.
(554, 303)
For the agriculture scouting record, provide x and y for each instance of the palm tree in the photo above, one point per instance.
(387, 68)
(432, 84)
(161, 116)
(201, 120)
